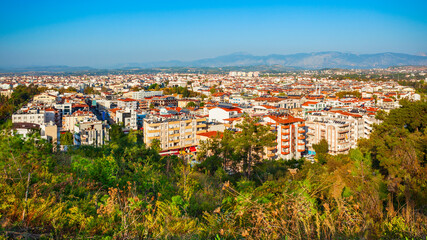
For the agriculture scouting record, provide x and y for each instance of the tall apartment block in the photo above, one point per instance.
(174, 133)
(290, 136)
(341, 130)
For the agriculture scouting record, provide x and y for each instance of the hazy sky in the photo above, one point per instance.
(102, 33)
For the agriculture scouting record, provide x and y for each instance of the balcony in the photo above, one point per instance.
(271, 148)
(301, 131)
(343, 130)
(301, 125)
(285, 153)
(285, 146)
(301, 137)
(285, 140)
(153, 130)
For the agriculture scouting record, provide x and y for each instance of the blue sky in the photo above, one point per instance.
(104, 33)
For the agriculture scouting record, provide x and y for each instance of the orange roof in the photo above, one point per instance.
(287, 120)
(127, 100)
(114, 110)
(346, 113)
(178, 109)
(268, 107)
(239, 110)
(211, 134)
(78, 105)
(309, 103)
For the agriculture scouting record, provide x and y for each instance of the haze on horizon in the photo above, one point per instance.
(104, 33)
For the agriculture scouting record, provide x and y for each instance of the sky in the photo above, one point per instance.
(106, 33)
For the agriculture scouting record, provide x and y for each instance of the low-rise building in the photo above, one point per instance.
(224, 111)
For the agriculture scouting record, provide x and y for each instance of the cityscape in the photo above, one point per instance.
(314, 145)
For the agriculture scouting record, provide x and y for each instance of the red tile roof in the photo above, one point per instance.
(211, 134)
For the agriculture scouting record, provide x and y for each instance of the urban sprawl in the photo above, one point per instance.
(178, 111)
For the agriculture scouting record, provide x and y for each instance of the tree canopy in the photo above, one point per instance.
(126, 190)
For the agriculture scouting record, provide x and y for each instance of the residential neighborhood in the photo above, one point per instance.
(301, 110)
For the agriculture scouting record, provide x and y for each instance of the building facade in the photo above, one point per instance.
(173, 133)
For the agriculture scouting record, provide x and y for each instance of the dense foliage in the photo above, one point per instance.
(126, 190)
(21, 94)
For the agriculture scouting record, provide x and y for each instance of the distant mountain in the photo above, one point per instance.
(301, 60)
(273, 62)
(55, 69)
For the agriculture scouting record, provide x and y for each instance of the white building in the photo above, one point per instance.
(218, 114)
(144, 94)
(29, 116)
(127, 118)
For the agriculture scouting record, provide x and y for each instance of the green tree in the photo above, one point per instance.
(89, 90)
(156, 145)
(191, 104)
(321, 150)
(250, 142)
(67, 139)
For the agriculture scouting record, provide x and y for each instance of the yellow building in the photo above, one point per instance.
(44, 98)
(174, 133)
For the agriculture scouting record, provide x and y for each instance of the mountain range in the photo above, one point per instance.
(315, 60)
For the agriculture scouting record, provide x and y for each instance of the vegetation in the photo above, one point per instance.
(67, 90)
(344, 94)
(180, 90)
(67, 139)
(321, 150)
(90, 90)
(21, 94)
(127, 190)
(191, 104)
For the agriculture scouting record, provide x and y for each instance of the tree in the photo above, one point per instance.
(342, 94)
(88, 90)
(398, 148)
(66, 139)
(321, 150)
(251, 141)
(191, 104)
(156, 145)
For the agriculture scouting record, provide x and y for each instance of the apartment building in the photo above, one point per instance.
(127, 118)
(224, 111)
(127, 103)
(91, 133)
(174, 133)
(341, 130)
(35, 116)
(69, 121)
(45, 98)
(291, 135)
(310, 106)
(164, 101)
(145, 94)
